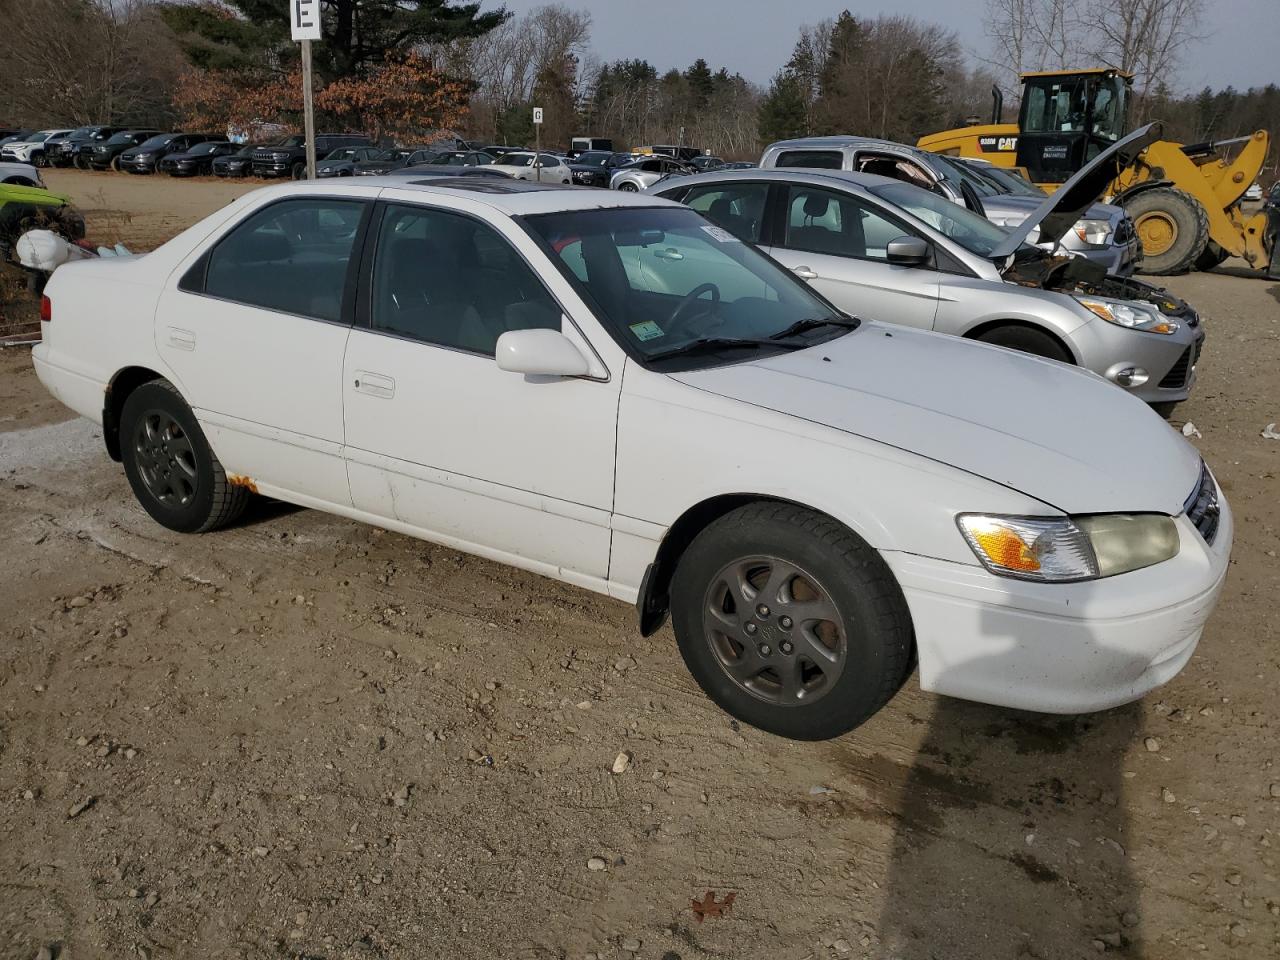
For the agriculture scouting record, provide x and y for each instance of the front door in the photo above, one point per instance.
(443, 442)
(253, 333)
(838, 244)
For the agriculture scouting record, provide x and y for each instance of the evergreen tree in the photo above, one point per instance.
(784, 109)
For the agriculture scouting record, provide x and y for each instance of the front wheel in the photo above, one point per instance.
(629, 187)
(115, 164)
(1027, 340)
(39, 160)
(299, 171)
(1173, 228)
(80, 163)
(170, 466)
(790, 622)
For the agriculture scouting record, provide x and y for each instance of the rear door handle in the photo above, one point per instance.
(182, 339)
(805, 273)
(375, 384)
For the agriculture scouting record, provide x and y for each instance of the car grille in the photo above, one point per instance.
(1124, 231)
(1181, 371)
(1202, 507)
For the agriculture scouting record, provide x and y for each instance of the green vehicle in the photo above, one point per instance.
(32, 208)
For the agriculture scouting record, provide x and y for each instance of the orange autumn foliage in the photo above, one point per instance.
(403, 99)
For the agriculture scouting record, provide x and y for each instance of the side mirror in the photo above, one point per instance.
(540, 353)
(907, 252)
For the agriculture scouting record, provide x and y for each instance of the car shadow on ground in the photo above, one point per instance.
(1012, 839)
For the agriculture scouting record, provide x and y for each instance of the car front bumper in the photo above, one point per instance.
(1170, 361)
(274, 168)
(1062, 648)
(137, 166)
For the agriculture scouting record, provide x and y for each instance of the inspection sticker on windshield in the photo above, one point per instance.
(724, 236)
(647, 330)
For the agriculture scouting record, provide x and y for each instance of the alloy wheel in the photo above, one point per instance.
(165, 459)
(775, 631)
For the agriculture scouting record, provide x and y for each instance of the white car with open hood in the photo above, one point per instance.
(610, 390)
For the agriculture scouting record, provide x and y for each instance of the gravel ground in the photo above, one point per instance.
(303, 737)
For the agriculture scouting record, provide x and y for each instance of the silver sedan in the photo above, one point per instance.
(645, 172)
(886, 250)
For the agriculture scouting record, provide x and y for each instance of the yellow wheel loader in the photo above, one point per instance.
(1184, 198)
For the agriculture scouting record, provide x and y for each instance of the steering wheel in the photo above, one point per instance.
(692, 298)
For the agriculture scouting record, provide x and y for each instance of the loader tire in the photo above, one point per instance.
(1213, 256)
(1173, 228)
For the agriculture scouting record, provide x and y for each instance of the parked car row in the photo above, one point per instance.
(771, 443)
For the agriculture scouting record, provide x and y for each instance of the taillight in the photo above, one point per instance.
(46, 309)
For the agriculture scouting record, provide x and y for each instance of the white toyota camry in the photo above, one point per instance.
(609, 390)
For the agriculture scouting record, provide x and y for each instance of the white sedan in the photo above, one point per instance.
(542, 167)
(610, 390)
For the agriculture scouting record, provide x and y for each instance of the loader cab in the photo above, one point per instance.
(1068, 118)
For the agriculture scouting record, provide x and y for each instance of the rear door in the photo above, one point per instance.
(253, 332)
(838, 244)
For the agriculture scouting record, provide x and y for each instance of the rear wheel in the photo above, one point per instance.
(299, 171)
(80, 162)
(173, 472)
(1173, 228)
(790, 622)
(1028, 340)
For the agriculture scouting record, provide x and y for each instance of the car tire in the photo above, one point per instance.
(1027, 340)
(1173, 227)
(804, 679)
(39, 160)
(80, 163)
(115, 164)
(629, 187)
(170, 466)
(298, 171)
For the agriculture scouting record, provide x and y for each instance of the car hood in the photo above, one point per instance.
(1059, 212)
(1053, 432)
(1013, 210)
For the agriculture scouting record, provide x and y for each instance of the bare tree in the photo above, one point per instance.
(1145, 37)
(1035, 34)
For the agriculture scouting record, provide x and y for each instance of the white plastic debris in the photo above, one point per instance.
(45, 250)
(1270, 432)
(1189, 430)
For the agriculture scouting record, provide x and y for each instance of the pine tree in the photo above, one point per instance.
(784, 109)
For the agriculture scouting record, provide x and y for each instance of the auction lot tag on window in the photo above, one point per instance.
(724, 236)
(647, 330)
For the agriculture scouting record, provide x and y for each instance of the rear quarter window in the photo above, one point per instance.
(813, 159)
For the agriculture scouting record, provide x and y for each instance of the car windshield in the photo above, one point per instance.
(665, 279)
(976, 234)
(1008, 181)
(959, 173)
(161, 141)
(594, 158)
(122, 138)
(297, 140)
(390, 155)
(342, 153)
(517, 159)
(202, 149)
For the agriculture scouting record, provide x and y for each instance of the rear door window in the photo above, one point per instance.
(291, 257)
(738, 207)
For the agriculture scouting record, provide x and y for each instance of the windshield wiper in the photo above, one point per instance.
(723, 343)
(812, 323)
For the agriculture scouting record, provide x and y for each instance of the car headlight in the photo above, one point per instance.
(1131, 315)
(1095, 233)
(1060, 550)
(142, 156)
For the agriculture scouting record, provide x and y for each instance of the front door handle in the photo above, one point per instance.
(375, 384)
(182, 339)
(805, 273)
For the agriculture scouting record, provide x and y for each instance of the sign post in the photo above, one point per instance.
(304, 17)
(537, 143)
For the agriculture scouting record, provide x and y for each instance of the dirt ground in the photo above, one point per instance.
(308, 738)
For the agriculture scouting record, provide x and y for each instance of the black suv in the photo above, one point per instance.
(146, 156)
(288, 158)
(237, 164)
(68, 150)
(107, 154)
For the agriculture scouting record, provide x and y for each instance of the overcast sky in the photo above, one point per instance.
(755, 37)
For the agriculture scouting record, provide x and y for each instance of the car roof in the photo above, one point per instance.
(511, 197)
(839, 141)
(863, 181)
